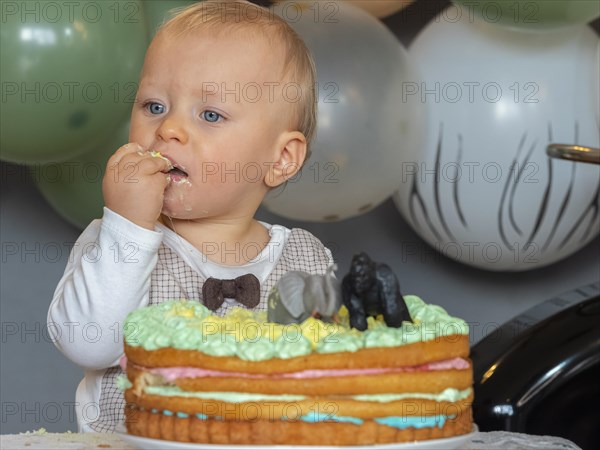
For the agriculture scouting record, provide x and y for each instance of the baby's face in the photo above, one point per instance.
(213, 106)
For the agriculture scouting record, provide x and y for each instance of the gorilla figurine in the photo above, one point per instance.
(371, 288)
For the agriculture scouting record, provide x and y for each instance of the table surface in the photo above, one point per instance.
(88, 441)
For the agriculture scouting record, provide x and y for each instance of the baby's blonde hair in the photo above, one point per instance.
(241, 15)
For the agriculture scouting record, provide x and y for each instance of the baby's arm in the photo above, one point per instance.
(108, 273)
(107, 276)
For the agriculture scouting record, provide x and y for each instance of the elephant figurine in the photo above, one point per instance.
(299, 295)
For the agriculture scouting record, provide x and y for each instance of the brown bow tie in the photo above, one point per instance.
(245, 289)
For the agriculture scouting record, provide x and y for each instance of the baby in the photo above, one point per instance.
(224, 113)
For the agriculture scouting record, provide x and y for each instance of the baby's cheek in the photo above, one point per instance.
(221, 174)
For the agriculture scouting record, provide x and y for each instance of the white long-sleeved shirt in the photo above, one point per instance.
(108, 276)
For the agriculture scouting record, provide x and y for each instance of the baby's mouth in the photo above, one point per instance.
(177, 172)
(178, 176)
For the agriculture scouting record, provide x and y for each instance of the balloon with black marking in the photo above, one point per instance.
(482, 189)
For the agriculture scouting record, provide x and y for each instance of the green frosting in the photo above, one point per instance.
(256, 349)
(447, 395)
(189, 325)
(188, 338)
(340, 342)
(429, 322)
(215, 345)
(292, 347)
(123, 383)
(229, 397)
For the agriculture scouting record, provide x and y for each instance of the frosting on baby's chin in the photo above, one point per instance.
(178, 197)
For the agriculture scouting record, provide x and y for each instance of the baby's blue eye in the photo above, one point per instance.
(155, 108)
(211, 116)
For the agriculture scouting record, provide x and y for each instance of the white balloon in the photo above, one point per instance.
(482, 189)
(363, 124)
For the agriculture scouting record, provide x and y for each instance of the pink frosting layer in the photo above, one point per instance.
(174, 373)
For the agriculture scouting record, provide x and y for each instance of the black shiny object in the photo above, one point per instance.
(371, 288)
(543, 377)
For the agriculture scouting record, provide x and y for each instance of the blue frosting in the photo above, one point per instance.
(403, 422)
(315, 416)
(400, 422)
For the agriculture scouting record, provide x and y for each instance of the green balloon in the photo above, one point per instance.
(158, 11)
(531, 14)
(69, 73)
(74, 187)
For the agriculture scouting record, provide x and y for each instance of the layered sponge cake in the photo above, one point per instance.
(238, 379)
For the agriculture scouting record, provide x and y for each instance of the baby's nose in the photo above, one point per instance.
(171, 129)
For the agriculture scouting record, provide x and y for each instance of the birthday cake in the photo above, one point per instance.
(239, 379)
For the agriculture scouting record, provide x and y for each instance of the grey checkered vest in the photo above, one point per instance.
(173, 278)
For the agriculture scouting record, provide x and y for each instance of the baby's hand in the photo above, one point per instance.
(134, 184)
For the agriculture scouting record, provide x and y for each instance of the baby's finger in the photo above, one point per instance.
(164, 164)
(155, 154)
(150, 165)
(131, 147)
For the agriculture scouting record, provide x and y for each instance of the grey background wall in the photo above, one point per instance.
(37, 383)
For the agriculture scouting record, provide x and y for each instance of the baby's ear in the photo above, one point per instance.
(290, 155)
